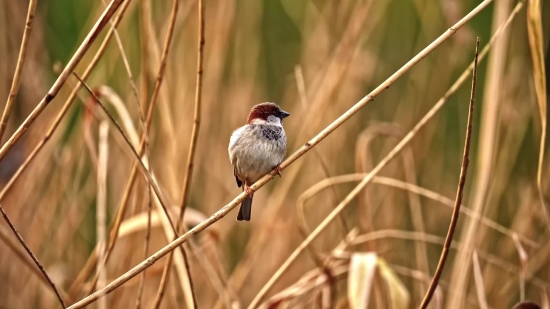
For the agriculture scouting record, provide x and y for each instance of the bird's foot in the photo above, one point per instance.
(248, 191)
(277, 170)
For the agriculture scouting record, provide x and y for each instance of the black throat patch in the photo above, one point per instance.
(271, 132)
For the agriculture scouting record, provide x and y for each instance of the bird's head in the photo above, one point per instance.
(266, 112)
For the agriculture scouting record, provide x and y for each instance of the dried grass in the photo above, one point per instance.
(315, 59)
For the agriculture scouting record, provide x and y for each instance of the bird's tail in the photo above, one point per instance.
(246, 209)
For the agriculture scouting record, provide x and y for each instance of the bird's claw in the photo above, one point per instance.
(277, 170)
(248, 190)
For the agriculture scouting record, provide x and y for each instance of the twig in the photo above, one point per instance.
(300, 152)
(459, 193)
(190, 160)
(164, 281)
(486, 153)
(18, 68)
(33, 257)
(90, 38)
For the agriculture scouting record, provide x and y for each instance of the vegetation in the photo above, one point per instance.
(359, 216)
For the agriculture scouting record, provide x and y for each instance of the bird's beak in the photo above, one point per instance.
(283, 114)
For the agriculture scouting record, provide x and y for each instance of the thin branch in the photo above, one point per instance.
(164, 281)
(300, 152)
(190, 160)
(33, 257)
(489, 146)
(459, 193)
(18, 68)
(52, 93)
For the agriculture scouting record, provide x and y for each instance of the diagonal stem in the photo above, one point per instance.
(144, 169)
(459, 193)
(19, 68)
(33, 257)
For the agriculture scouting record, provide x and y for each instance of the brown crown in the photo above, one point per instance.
(262, 111)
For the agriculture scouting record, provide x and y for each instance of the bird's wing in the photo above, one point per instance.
(239, 182)
(235, 137)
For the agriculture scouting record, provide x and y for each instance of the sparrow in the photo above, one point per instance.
(257, 148)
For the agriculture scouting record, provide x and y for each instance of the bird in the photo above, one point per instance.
(257, 148)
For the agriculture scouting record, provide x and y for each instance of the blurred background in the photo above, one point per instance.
(315, 59)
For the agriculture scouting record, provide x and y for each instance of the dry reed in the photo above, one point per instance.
(310, 58)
